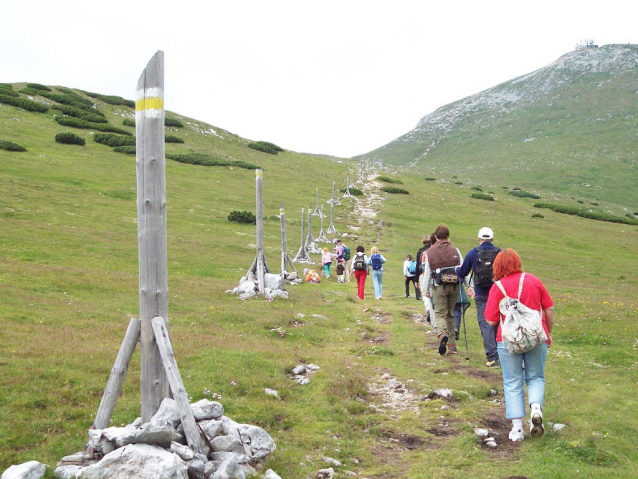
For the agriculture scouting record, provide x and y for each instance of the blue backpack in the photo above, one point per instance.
(412, 267)
(376, 262)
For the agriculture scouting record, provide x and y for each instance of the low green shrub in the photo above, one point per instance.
(523, 194)
(173, 122)
(72, 99)
(70, 139)
(68, 91)
(594, 204)
(11, 146)
(205, 160)
(114, 140)
(429, 178)
(476, 188)
(29, 91)
(77, 123)
(128, 122)
(80, 113)
(394, 190)
(482, 196)
(581, 202)
(571, 210)
(353, 191)
(172, 139)
(260, 146)
(242, 217)
(129, 150)
(387, 179)
(110, 99)
(8, 92)
(536, 215)
(37, 86)
(6, 86)
(458, 182)
(23, 103)
(516, 189)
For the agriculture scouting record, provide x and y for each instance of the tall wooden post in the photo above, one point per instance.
(322, 236)
(331, 228)
(151, 227)
(285, 259)
(334, 200)
(311, 244)
(302, 255)
(260, 229)
(347, 194)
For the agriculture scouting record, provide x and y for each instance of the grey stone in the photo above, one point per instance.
(229, 469)
(168, 413)
(114, 433)
(99, 443)
(443, 393)
(227, 444)
(558, 427)
(246, 287)
(225, 456)
(211, 428)
(248, 294)
(480, 432)
(185, 452)
(271, 392)
(332, 461)
(230, 427)
(259, 441)
(299, 369)
(150, 433)
(326, 473)
(27, 470)
(270, 474)
(205, 409)
(67, 472)
(273, 281)
(141, 461)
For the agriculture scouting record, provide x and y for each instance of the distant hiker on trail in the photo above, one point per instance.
(376, 262)
(509, 275)
(344, 253)
(480, 260)
(427, 241)
(440, 264)
(326, 260)
(410, 269)
(311, 276)
(341, 268)
(360, 270)
(425, 284)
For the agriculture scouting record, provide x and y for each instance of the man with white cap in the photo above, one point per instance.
(479, 261)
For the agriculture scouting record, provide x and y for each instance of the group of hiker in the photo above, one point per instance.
(515, 314)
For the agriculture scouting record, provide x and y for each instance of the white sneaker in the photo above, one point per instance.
(517, 435)
(536, 428)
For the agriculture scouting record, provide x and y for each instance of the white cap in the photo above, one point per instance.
(486, 233)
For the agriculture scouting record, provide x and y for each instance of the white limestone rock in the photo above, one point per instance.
(168, 413)
(270, 474)
(273, 281)
(211, 428)
(151, 433)
(185, 452)
(271, 392)
(258, 440)
(141, 461)
(67, 472)
(227, 444)
(205, 409)
(300, 369)
(27, 470)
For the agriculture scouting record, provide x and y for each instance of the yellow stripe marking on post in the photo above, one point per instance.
(152, 103)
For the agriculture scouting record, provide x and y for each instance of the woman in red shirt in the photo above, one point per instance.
(508, 269)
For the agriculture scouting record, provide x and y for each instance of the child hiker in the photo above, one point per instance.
(326, 260)
(341, 269)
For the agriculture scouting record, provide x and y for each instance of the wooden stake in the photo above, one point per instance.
(151, 216)
(118, 374)
(191, 431)
(285, 259)
(302, 255)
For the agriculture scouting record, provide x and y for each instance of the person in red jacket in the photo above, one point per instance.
(508, 270)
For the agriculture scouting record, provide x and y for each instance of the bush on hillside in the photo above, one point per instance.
(80, 113)
(523, 194)
(7, 92)
(536, 215)
(458, 182)
(571, 210)
(72, 99)
(69, 139)
(476, 188)
(429, 178)
(77, 123)
(114, 140)
(242, 217)
(129, 150)
(68, 91)
(172, 139)
(23, 103)
(6, 86)
(110, 99)
(265, 146)
(205, 160)
(37, 86)
(11, 146)
(173, 122)
(353, 191)
(128, 122)
(482, 196)
(387, 179)
(394, 190)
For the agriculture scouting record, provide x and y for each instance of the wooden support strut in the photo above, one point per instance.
(191, 431)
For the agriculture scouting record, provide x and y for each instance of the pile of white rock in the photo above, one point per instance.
(300, 373)
(273, 286)
(157, 449)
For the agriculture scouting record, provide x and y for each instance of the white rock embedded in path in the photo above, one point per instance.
(300, 369)
(326, 473)
(443, 393)
(270, 474)
(480, 432)
(332, 461)
(27, 470)
(137, 460)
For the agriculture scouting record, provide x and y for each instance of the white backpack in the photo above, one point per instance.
(522, 329)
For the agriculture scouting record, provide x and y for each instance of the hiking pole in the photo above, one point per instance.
(467, 353)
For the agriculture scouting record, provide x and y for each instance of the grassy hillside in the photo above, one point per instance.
(567, 128)
(68, 280)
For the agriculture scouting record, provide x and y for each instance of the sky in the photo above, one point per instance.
(331, 77)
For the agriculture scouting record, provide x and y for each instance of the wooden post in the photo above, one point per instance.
(191, 431)
(311, 244)
(285, 259)
(260, 229)
(118, 374)
(347, 194)
(331, 229)
(151, 216)
(322, 236)
(302, 255)
(334, 200)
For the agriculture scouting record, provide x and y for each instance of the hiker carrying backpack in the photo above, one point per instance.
(375, 261)
(483, 271)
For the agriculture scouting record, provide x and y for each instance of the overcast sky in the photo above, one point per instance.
(334, 77)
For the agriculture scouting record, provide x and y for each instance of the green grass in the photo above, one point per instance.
(69, 282)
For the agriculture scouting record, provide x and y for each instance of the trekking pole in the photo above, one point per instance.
(467, 353)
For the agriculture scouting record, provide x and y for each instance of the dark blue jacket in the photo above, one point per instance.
(469, 263)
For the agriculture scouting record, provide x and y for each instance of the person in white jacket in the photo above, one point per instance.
(410, 275)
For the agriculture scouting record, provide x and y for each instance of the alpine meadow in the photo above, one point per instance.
(547, 160)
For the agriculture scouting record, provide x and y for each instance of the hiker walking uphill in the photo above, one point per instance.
(440, 264)
(427, 242)
(523, 310)
(343, 252)
(410, 269)
(479, 261)
(376, 262)
(360, 270)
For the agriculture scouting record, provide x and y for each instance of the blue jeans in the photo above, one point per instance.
(377, 280)
(512, 367)
(488, 332)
